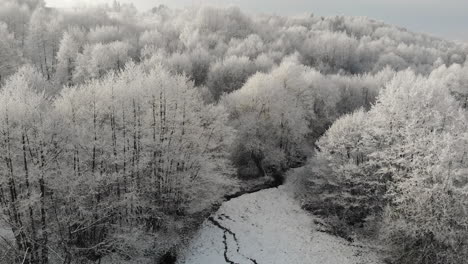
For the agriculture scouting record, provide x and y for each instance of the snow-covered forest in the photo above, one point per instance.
(122, 132)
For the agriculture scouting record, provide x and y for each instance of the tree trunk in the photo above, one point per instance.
(42, 186)
(93, 166)
(32, 255)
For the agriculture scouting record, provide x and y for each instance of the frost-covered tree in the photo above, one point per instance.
(70, 46)
(104, 34)
(272, 122)
(303, 101)
(411, 147)
(139, 136)
(42, 42)
(331, 51)
(229, 22)
(16, 15)
(132, 149)
(10, 57)
(98, 59)
(250, 47)
(424, 159)
(229, 75)
(28, 151)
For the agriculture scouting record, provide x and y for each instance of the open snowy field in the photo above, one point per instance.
(269, 227)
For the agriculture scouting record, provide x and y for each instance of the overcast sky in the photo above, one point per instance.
(443, 18)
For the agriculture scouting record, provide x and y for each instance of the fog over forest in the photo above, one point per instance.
(212, 135)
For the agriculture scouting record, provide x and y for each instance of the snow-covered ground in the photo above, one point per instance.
(269, 227)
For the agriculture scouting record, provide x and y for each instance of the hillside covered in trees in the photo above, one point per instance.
(121, 131)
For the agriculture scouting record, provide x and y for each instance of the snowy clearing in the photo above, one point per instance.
(269, 227)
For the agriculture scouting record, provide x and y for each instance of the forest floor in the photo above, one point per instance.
(270, 227)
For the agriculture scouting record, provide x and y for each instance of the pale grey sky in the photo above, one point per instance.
(443, 18)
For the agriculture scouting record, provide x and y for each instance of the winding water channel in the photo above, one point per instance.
(268, 226)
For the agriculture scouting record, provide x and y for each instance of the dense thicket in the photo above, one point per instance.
(118, 128)
(128, 150)
(403, 162)
(279, 115)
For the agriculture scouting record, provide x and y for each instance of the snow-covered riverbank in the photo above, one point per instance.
(269, 227)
